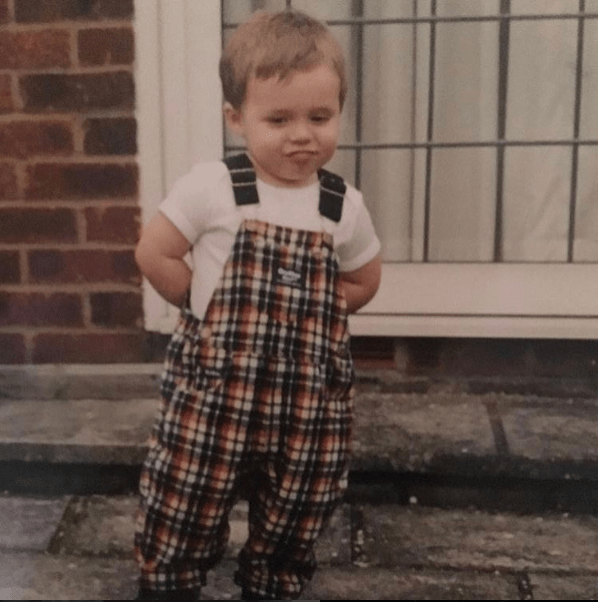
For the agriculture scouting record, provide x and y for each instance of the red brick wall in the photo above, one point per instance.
(69, 215)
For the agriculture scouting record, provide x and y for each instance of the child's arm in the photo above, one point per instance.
(361, 285)
(159, 255)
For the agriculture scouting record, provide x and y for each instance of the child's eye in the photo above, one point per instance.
(320, 118)
(277, 120)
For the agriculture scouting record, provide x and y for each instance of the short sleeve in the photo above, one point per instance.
(359, 243)
(189, 203)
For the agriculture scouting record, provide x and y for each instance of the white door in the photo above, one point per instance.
(471, 132)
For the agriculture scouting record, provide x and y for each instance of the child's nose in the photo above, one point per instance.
(300, 131)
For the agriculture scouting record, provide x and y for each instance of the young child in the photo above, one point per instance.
(257, 391)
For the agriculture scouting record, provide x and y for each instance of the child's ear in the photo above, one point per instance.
(233, 118)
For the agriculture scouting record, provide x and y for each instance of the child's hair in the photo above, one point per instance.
(270, 44)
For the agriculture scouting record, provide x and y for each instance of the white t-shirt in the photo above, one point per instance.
(202, 206)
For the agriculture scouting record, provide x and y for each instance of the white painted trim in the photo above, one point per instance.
(149, 130)
(480, 289)
(149, 101)
(178, 106)
(483, 300)
(473, 327)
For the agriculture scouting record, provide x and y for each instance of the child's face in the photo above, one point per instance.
(291, 127)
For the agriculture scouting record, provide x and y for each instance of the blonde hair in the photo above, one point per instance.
(277, 44)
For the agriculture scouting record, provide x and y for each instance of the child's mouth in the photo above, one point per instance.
(302, 155)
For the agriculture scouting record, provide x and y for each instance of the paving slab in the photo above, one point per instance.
(334, 546)
(139, 381)
(17, 571)
(28, 576)
(97, 526)
(76, 431)
(45, 577)
(419, 432)
(392, 536)
(80, 381)
(29, 524)
(354, 583)
(552, 437)
(558, 587)
(369, 552)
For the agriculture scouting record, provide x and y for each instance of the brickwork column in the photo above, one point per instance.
(69, 214)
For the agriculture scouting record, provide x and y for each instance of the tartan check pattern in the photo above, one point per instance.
(256, 401)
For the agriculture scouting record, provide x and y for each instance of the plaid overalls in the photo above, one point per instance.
(257, 401)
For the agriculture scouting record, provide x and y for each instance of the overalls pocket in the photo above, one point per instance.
(192, 364)
(212, 367)
(340, 377)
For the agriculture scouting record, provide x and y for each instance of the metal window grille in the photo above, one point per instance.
(503, 20)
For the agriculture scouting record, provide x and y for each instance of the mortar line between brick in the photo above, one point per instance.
(498, 429)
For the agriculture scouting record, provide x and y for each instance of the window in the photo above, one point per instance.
(471, 127)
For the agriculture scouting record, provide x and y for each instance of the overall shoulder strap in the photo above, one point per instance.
(332, 195)
(332, 187)
(243, 178)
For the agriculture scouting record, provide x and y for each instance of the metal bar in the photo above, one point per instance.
(576, 124)
(430, 135)
(462, 144)
(468, 144)
(357, 10)
(456, 19)
(503, 82)
(222, 44)
(464, 19)
(413, 251)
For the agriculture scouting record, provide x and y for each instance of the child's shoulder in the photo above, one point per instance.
(204, 180)
(205, 184)
(205, 173)
(353, 203)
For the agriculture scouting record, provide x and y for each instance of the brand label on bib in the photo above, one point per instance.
(289, 277)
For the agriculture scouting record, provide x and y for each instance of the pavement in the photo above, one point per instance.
(457, 492)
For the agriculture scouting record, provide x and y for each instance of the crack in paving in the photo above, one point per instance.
(524, 585)
(498, 429)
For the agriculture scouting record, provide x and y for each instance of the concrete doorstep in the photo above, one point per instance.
(83, 429)
(79, 381)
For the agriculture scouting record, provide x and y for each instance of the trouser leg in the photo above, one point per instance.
(173, 557)
(187, 491)
(278, 559)
(294, 499)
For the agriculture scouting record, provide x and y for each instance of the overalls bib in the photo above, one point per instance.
(257, 400)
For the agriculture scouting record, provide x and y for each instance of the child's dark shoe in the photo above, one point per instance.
(247, 595)
(178, 595)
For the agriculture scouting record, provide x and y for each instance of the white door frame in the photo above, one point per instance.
(180, 122)
(179, 103)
